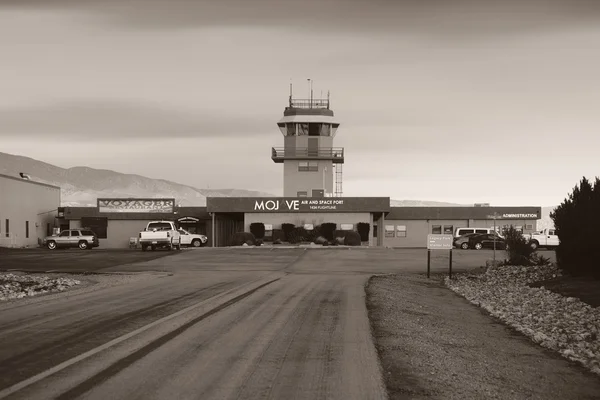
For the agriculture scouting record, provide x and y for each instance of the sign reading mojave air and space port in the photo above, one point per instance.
(296, 205)
(136, 205)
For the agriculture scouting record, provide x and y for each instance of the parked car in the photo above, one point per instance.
(83, 238)
(486, 241)
(464, 231)
(462, 242)
(160, 234)
(547, 238)
(192, 239)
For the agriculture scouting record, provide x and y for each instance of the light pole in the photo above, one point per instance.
(494, 261)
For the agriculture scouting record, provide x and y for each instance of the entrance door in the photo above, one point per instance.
(313, 147)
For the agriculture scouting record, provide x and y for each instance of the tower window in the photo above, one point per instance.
(291, 129)
(308, 166)
(302, 194)
(314, 129)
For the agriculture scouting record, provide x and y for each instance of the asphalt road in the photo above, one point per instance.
(217, 324)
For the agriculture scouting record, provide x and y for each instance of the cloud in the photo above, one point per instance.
(107, 119)
(439, 18)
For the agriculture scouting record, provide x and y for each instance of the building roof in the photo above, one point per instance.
(87, 212)
(455, 213)
(28, 181)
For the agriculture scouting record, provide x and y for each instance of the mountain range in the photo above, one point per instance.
(81, 186)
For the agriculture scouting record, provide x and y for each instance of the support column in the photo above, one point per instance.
(214, 230)
(381, 230)
(371, 241)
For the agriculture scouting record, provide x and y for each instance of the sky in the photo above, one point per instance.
(454, 101)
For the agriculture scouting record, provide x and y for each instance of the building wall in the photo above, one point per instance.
(295, 181)
(417, 230)
(276, 219)
(23, 202)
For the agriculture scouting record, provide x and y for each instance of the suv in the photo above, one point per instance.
(82, 238)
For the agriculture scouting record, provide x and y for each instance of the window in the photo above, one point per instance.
(64, 234)
(90, 233)
(302, 194)
(436, 229)
(302, 129)
(401, 231)
(7, 227)
(529, 227)
(326, 130)
(27, 229)
(481, 231)
(314, 129)
(268, 227)
(465, 231)
(389, 231)
(374, 230)
(519, 228)
(291, 129)
(75, 233)
(448, 229)
(346, 227)
(308, 166)
(309, 227)
(48, 229)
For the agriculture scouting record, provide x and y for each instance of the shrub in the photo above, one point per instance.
(297, 235)
(363, 229)
(313, 234)
(321, 240)
(239, 238)
(287, 228)
(339, 234)
(258, 230)
(259, 242)
(339, 240)
(576, 219)
(278, 235)
(352, 239)
(277, 241)
(328, 229)
(518, 250)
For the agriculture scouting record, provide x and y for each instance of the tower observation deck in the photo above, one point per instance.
(308, 156)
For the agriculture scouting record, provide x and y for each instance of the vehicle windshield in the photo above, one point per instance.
(159, 226)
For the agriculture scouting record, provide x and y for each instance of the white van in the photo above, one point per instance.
(463, 231)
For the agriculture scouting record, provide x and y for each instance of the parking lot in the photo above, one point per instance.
(97, 260)
(72, 260)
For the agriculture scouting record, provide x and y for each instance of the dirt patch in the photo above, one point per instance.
(585, 289)
(433, 343)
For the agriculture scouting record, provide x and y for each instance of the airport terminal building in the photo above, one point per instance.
(312, 195)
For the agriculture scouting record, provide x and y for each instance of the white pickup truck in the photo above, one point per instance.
(160, 234)
(547, 238)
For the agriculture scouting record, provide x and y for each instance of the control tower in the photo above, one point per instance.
(312, 167)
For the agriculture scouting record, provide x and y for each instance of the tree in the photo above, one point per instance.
(576, 221)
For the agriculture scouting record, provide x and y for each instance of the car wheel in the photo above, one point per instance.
(51, 245)
(533, 245)
(144, 248)
(83, 245)
(196, 243)
(464, 246)
(478, 246)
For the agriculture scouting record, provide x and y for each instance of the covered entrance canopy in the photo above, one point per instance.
(276, 207)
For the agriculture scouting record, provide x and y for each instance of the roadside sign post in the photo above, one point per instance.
(439, 242)
(494, 218)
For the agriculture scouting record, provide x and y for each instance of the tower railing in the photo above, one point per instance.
(336, 154)
(309, 103)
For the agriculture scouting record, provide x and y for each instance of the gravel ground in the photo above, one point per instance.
(563, 324)
(17, 286)
(434, 344)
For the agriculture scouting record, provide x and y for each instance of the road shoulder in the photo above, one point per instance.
(433, 343)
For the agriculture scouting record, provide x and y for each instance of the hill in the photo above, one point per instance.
(81, 186)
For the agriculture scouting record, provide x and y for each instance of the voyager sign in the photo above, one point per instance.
(297, 205)
(136, 205)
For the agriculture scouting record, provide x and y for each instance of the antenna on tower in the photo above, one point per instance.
(311, 93)
(291, 91)
(328, 99)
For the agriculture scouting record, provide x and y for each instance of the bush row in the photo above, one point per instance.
(325, 234)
